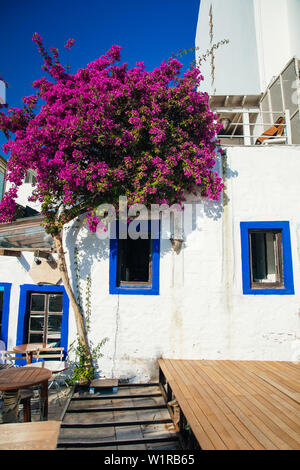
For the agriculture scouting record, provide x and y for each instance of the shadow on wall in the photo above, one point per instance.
(227, 173)
(79, 236)
(89, 247)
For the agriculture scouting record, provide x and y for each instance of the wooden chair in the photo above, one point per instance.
(9, 358)
(49, 353)
(274, 131)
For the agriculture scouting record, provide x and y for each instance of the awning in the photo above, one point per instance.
(25, 235)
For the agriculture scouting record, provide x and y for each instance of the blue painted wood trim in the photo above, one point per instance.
(113, 265)
(288, 277)
(23, 309)
(5, 311)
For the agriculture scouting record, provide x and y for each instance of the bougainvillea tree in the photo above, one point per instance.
(105, 131)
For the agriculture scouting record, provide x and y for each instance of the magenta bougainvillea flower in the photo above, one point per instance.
(70, 43)
(108, 131)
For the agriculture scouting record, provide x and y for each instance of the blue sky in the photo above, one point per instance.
(148, 31)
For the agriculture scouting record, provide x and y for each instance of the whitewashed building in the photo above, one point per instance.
(230, 289)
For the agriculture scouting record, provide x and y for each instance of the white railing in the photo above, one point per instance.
(252, 131)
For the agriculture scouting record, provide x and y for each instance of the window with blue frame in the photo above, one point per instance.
(43, 315)
(134, 262)
(5, 289)
(267, 258)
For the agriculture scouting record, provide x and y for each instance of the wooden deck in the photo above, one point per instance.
(236, 404)
(133, 417)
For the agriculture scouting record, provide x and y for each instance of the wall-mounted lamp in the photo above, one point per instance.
(176, 244)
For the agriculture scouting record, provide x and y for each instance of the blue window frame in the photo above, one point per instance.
(22, 328)
(132, 289)
(5, 287)
(287, 283)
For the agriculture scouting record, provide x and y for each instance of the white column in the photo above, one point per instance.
(246, 128)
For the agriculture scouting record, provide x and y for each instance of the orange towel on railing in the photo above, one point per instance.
(276, 130)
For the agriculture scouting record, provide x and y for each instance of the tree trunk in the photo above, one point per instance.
(62, 266)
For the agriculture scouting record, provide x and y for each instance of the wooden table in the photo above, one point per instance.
(40, 435)
(30, 349)
(18, 378)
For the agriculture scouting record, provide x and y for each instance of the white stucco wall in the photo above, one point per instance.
(201, 312)
(236, 63)
(264, 35)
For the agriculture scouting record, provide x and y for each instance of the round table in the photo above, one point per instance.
(18, 378)
(30, 349)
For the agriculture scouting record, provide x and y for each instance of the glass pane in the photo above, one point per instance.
(37, 323)
(35, 338)
(55, 303)
(54, 323)
(295, 125)
(263, 245)
(266, 117)
(289, 78)
(271, 255)
(134, 260)
(276, 100)
(37, 303)
(54, 341)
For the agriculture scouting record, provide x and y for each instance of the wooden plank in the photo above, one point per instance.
(40, 435)
(133, 385)
(8, 252)
(199, 409)
(128, 442)
(116, 397)
(229, 414)
(264, 421)
(104, 383)
(119, 423)
(269, 389)
(123, 408)
(253, 433)
(235, 433)
(273, 381)
(279, 373)
(270, 414)
(181, 392)
(196, 427)
(255, 426)
(250, 403)
(214, 415)
(266, 395)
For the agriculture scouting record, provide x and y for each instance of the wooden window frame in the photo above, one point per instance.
(46, 314)
(279, 283)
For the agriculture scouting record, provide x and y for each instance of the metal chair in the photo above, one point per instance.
(8, 360)
(55, 363)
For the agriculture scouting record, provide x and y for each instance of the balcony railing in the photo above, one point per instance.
(252, 126)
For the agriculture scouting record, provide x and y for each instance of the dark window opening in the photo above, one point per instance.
(134, 262)
(45, 318)
(266, 266)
